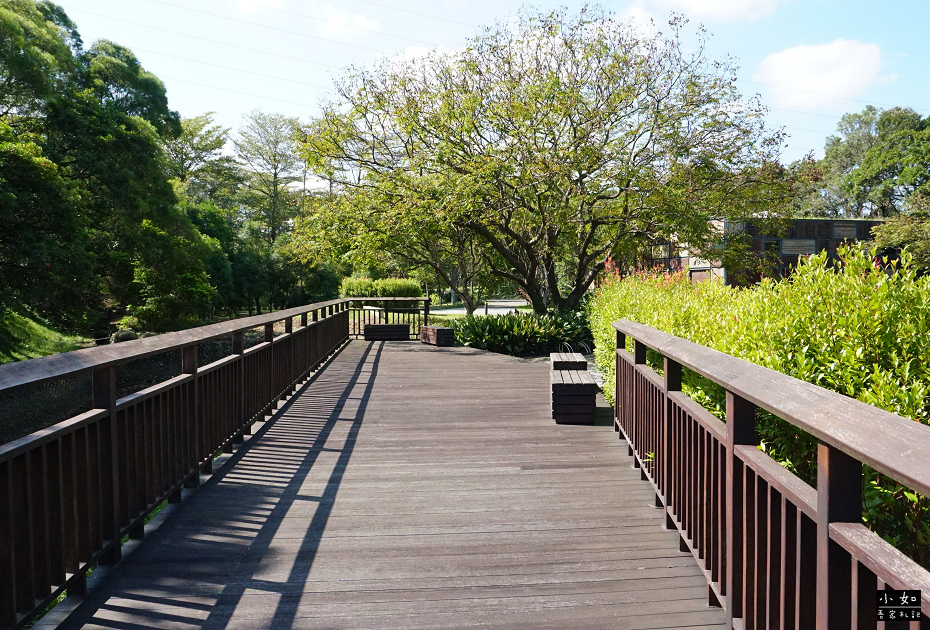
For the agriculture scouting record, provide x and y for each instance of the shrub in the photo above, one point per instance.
(858, 327)
(522, 334)
(388, 287)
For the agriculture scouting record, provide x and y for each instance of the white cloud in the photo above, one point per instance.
(339, 23)
(711, 10)
(821, 76)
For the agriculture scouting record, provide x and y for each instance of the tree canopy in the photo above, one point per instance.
(875, 163)
(113, 206)
(558, 142)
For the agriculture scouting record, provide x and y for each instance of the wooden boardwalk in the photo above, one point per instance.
(408, 486)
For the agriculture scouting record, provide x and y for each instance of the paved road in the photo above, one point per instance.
(495, 307)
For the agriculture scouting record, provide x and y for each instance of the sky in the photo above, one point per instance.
(810, 61)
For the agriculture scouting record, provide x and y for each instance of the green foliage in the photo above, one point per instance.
(910, 232)
(875, 163)
(860, 328)
(386, 287)
(27, 337)
(522, 334)
(173, 287)
(545, 145)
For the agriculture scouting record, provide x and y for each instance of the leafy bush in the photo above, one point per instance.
(859, 328)
(522, 334)
(387, 287)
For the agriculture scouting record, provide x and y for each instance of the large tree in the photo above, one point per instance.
(558, 141)
(267, 151)
(873, 164)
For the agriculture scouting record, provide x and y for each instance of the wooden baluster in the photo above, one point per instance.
(663, 458)
(639, 358)
(618, 365)
(839, 500)
(741, 429)
(189, 366)
(8, 585)
(289, 359)
(104, 397)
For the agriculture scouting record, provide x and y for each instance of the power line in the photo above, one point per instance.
(270, 28)
(846, 98)
(223, 89)
(359, 28)
(206, 39)
(216, 65)
(798, 111)
(426, 15)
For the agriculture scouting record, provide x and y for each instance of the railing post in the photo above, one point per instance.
(639, 352)
(289, 359)
(104, 397)
(839, 500)
(238, 348)
(639, 358)
(189, 366)
(741, 430)
(672, 371)
(269, 338)
(426, 312)
(621, 345)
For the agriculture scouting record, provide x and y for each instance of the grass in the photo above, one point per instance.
(443, 319)
(23, 337)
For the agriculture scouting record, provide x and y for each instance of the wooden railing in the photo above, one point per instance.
(381, 312)
(776, 552)
(71, 492)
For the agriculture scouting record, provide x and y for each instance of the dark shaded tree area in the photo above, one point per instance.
(113, 206)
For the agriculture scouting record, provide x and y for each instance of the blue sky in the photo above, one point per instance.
(811, 61)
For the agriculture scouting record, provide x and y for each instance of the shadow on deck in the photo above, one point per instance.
(406, 486)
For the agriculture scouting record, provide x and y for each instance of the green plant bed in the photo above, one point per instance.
(523, 334)
(857, 326)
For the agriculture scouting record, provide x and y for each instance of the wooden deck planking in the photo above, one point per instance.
(408, 486)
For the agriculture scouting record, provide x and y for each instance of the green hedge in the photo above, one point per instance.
(388, 287)
(861, 329)
(523, 334)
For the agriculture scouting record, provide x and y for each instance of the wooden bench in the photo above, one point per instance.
(387, 332)
(568, 361)
(573, 395)
(439, 336)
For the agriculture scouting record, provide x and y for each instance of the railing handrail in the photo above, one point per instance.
(889, 443)
(41, 369)
(769, 544)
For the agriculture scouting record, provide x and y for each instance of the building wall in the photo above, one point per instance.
(803, 237)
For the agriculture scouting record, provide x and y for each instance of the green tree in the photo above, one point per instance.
(909, 232)
(199, 143)
(35, 55)
(42, 258)
(896, 166)
(558, 142)
(195, 159)
(875, 162)
(399, 235)
(266, 149)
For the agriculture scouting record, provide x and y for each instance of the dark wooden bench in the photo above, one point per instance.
(439, 336)
(568, 361)
(573, 395)
(387, 332)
